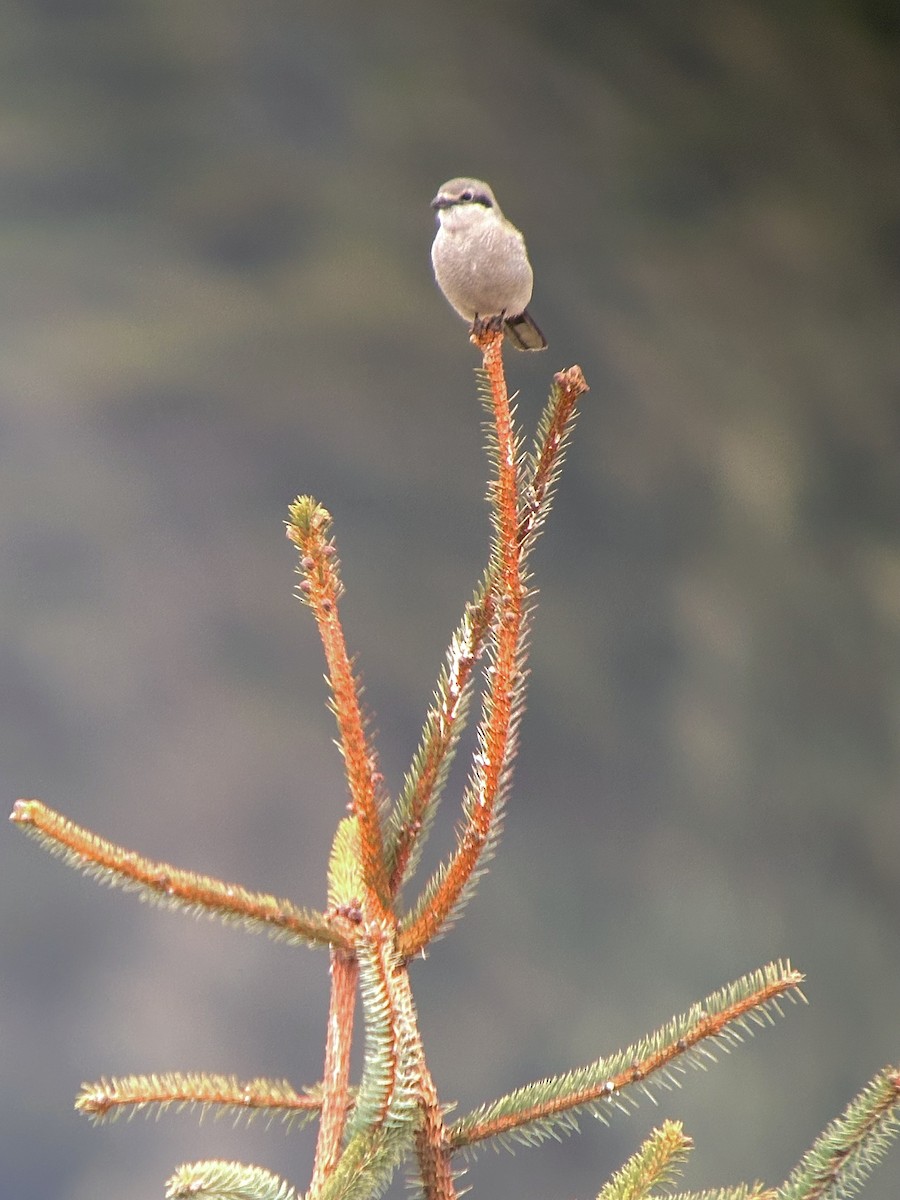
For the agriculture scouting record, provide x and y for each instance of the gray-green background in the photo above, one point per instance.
(216, 293)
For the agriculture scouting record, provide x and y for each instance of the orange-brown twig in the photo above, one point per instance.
(336, 1074)
(447, 714)
(569, 386)
(706, 1026)
(104, 1100)
(164, 884)
(321, 589)
(493, 759)
(442, 728)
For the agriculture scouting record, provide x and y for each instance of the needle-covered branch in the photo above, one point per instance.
(346, 889)
(496, 740)
(336, 1073)
(843, 1157)
(544, 463)
(108, 1099)
(320, 588)
(656, 1165)
(549, 1107)
(737, 1191)
(423, 786)
(160, 883)
(424, 782)
(215, 1180)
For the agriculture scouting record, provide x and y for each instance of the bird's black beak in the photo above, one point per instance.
(441, 201)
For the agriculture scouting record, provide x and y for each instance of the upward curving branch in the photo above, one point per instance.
(415, 808)
(493, 759)
(309, 528)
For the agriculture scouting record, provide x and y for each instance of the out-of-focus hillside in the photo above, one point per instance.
(216, 292)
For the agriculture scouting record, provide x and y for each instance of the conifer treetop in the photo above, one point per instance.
(393, 1114)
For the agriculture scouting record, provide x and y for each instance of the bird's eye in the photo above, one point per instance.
(468, 194)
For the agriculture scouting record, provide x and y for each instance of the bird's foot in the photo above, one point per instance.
(486, 332)
(483, 325)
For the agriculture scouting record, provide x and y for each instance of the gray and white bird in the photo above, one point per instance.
(480, 261)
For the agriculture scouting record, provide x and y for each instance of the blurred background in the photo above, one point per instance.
(217, 293)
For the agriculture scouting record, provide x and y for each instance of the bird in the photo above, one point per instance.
(481, 264)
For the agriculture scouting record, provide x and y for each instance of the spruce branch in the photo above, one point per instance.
(108, 1099)
(366, 1166)
(160, 883)
(215, 1180)
(544, 463)
(655, 1165)
(423, 785)
(397, 1101)
(843, 1157)
(320, 588)
(738, 1191)
(388, 1093)
(345, 896)
(496, 733)
(548, 1107)
(336, 1071)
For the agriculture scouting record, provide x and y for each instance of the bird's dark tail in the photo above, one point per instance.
(523, 333)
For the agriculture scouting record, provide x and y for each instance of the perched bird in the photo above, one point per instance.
(480, 262)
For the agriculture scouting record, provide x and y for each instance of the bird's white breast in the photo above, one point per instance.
(480, 262)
